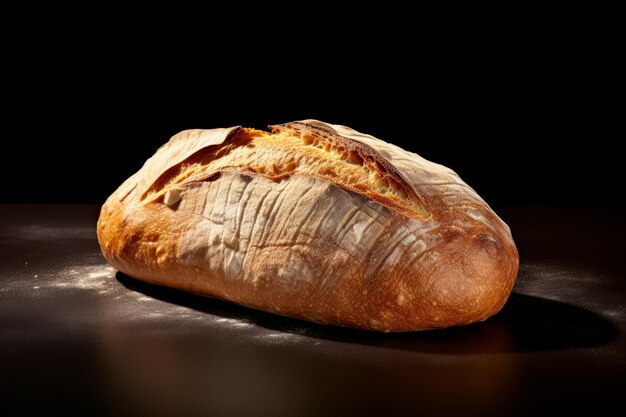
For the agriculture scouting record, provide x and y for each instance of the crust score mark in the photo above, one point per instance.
(286, 152)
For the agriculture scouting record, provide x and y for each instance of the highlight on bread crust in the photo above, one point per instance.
(286, 152)
(312, 221)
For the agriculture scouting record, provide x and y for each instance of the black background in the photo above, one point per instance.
(523, 111)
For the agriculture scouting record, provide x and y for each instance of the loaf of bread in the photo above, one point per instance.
(312, 221)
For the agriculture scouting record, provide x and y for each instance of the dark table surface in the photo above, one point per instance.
(80, 338)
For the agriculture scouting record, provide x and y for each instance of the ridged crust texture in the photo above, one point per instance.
(312, 221)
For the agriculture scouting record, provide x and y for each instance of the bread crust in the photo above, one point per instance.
(305, 247)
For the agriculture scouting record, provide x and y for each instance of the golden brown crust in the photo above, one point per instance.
(325, 132)
(292, 149)
(304, 247)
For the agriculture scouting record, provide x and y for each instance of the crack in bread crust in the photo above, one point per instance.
(288, 151)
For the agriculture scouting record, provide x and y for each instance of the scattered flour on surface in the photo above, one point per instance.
(100, 278)
(88, 277)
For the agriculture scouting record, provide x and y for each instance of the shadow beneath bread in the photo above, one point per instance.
(526, 323)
